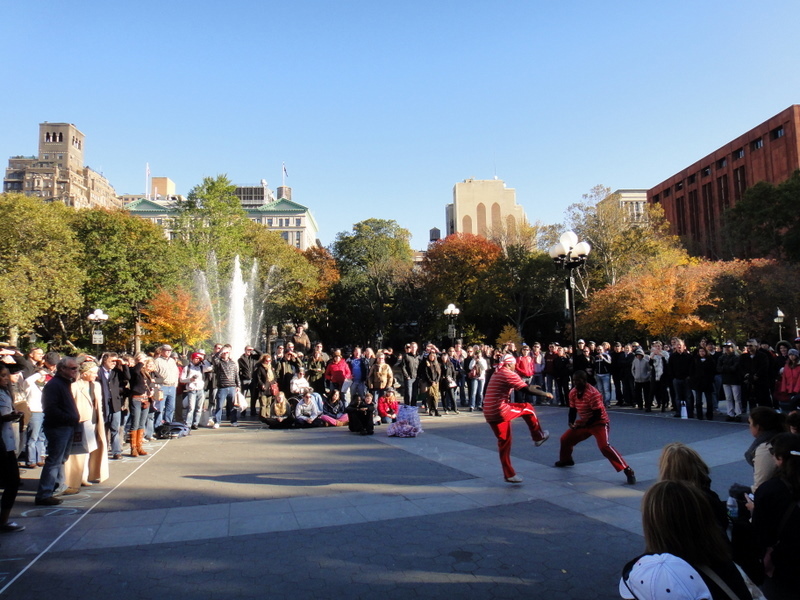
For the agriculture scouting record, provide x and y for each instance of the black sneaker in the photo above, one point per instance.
(630, 475)
(51, 501)
(564, 463)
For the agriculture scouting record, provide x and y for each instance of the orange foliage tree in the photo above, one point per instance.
(662, 299)
(174, 317)
(454, 270)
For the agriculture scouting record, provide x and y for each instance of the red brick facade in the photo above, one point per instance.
(694, 199)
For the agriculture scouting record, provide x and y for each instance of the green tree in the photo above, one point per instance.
(39, 266)
(524, 289)
(286, 277)
(372, 259)
(126, 260)
(211, 219)
(765, 222)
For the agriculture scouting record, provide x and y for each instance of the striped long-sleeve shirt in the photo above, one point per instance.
(498, 393)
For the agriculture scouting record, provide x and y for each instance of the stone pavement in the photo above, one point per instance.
(247, 512)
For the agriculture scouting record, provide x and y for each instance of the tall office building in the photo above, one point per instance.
(695, 198)
(480, 205)
(57, 173)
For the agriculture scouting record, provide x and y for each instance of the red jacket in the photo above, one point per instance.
(337, 372)
(790, 379)
(525, 366)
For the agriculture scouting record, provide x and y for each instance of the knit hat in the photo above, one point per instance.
(657, 576)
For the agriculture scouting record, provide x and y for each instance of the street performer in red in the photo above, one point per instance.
(499, 412)
(588, 417)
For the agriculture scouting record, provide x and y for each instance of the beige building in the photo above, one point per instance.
(480, 205)
(58, 172)
(634, 202)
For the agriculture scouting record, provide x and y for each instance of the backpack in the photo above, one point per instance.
(167, 431)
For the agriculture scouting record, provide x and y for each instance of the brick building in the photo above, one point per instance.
(695, 199)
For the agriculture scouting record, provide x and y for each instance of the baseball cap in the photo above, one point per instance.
(657, 576)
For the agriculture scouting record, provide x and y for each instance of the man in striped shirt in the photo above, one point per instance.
(499, 412)
(588, 417)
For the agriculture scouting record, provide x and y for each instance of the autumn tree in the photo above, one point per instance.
(619, 244)
(314, 304)
(39, 266)
(175, 317)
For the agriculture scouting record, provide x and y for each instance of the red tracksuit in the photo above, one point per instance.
(586, 404)
(499, 412)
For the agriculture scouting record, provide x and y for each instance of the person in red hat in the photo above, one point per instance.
(499, 411)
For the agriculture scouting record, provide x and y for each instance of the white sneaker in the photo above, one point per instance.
(545, 437)
(210, 423)
(216, 426)
(514, 479)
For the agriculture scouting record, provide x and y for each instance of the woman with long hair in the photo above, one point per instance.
(430, 373)
(765, 424)
(142, 387)
(264, 382)
(677, 520)
(679, 462)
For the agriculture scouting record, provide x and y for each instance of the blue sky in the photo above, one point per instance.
(378, 110)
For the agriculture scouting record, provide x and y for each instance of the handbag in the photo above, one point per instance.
(80, 438)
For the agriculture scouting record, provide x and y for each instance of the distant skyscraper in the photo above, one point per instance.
(480, 205)
(58, 172)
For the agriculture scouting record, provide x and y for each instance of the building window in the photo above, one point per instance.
(269, 222)
(680, 213)
(759, 143)
(737, 154)
(722, 163)
(722, 193)
(694, 214)
(656, 199)
(285, 235)
(706, 172)
(679, 186)
(297, 222)
(777, 133)
(667, 192)
(739, 183)
(708, 212)
(692, 178)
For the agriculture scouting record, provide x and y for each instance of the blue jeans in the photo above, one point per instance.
(138, 415)
(408, 388)
(476, 393)
(59, 442)
(550, 385)
(168, 397)
(194, 408)
(225, 397)
(36, 447)
(113, 425)
(604, 385)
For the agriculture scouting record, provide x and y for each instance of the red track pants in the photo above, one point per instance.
(502, 431)
(573, 437)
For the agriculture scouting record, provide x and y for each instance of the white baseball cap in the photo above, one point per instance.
(658, 576)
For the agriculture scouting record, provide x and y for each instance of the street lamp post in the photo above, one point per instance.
(97, 318)
(779, 316)
(451, 312)
(569, 254)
